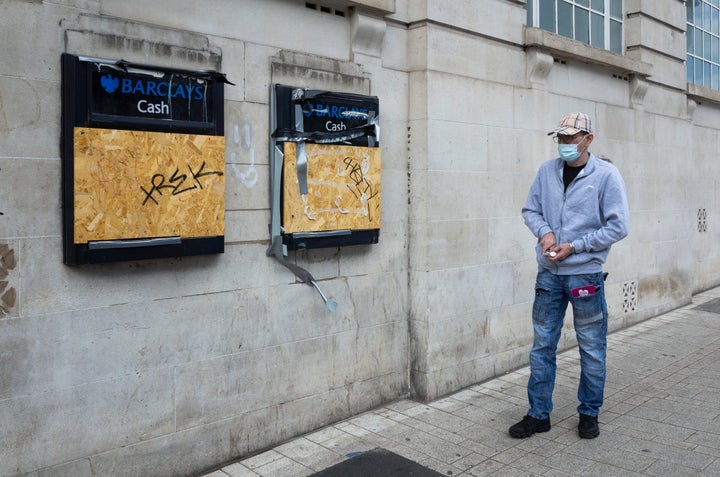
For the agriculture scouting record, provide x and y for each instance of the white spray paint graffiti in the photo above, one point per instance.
(250, 176)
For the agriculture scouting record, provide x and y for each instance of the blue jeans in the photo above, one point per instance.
(552, 295)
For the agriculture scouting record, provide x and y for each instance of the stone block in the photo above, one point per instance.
(49, 286)
(706, 115)
(40, 64)
(671, 13)
(246, 226)
(394, 135)
(246, 186)
(576, 84)
(418, 88)
(246, 133)
(88, 419)
(457, 243)
(510, 327)
(497, 19)
(395, 47)
(323, 262)
(457, 146)
(524, 274)
(258, 60)
(615, 123)
(386, 84)
(253, 20)
(457, 195)
(189, 452)
(218, 389)
(388, 255)
(448, 293)
(455, 339)
(379, 298)
(29, 117)
(317, 72)
(532, 110)
(35, 186)
(233, 66)
(464, 195)
(461, 99)
(72, 349)
(672, 132)
(643, 31)
(380, 350)
(667, 71)
(457, 52)
(439, 382)
(113, 38)
(417, 48)
(665, 102)
(507, 239)
(641, 192)
(394, 196)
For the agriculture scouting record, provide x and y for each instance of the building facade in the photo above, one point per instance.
(170, 366)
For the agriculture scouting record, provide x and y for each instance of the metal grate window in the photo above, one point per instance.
(703, 43)
(594, 22)
(702, 220)
(630, 301)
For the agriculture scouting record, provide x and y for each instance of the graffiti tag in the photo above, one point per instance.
(176, 183)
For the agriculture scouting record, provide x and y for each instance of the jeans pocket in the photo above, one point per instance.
(542, 305)
(588, 303)
(587, 310)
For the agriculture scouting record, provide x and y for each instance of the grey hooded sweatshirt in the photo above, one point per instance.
(592, 214)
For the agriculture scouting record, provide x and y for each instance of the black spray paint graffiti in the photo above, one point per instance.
(361, 188)
(176, 182)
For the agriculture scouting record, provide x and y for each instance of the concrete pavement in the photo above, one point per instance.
(661, 416)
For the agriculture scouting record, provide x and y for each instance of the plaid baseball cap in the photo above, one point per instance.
(572, 124)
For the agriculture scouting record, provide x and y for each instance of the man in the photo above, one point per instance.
(577, 208)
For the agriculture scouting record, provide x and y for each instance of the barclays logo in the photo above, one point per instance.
(110, 83)
(335, 111)
(143, 87)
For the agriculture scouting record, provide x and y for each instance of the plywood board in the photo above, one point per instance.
(140, 184)
(343, 189)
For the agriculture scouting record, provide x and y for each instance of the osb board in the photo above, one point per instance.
(343, 189)
(139, 184)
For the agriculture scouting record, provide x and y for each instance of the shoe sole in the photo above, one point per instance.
(523, 435)
(589, 435)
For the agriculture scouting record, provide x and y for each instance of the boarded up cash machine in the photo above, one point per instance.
(143, 161)
(325, 172)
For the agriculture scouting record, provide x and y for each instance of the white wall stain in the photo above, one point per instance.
(243, 143)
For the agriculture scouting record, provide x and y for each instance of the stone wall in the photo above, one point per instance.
(172, 366)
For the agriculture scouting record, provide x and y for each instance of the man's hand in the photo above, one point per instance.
(547, 242)
(559, 253)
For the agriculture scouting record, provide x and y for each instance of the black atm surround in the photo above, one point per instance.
(360, 129)
(79, 109)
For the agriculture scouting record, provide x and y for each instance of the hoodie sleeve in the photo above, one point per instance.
(532, 210)
(615, 216)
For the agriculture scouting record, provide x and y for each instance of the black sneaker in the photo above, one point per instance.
(529, 426)
(588, 427)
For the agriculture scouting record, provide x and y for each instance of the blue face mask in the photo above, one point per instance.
(568, 152)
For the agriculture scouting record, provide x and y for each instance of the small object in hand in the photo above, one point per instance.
(550, 254)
